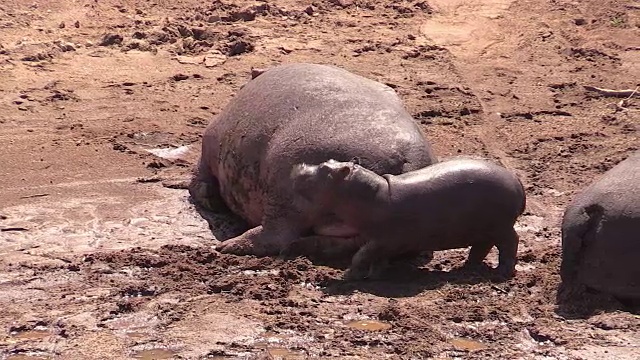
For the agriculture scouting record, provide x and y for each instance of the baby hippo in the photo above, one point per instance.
(456, 203)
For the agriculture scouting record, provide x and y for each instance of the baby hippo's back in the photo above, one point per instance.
(456, 202)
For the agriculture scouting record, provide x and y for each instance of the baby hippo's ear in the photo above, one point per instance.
(341, 172)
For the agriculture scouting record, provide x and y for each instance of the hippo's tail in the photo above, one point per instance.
(578, 226)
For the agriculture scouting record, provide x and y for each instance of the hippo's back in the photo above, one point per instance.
(601, 232)
(461, 183)
(308, 113)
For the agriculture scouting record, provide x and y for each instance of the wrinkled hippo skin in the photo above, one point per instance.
(291, 114)
(601, 233)
(455, 203)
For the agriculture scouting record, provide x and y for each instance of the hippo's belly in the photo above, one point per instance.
(242, 188)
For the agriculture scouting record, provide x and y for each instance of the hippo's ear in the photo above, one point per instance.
(341, 172)
(356, 160)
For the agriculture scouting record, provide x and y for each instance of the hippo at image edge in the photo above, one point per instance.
(601, 233)
(455, 203)
(291, 114)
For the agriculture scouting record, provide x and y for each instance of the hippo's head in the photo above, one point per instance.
(332, 181)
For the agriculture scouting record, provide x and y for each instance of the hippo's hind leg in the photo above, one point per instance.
(477, 254)
(507, 243)
(205, 190)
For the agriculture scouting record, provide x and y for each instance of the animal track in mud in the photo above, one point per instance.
(50, 94)
(592, 55)
(448, 102)
(545, 158)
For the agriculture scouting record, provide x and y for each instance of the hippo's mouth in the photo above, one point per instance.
(335, 229)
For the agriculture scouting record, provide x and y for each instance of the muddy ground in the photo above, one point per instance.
(103, 256)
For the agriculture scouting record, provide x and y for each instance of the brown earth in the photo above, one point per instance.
(103, 257)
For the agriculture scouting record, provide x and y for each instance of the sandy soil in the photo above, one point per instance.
(103, 257)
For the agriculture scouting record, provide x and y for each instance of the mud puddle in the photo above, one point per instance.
(31, 334)
(25, 357)
(154, 354)
(467, 344)
(369, 325)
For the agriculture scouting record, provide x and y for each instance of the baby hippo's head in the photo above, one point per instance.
(332, 180)
(320, 183)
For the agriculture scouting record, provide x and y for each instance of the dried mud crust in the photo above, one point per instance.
(203, 271)
(294, 296)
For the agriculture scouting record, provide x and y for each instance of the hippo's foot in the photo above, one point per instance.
(205, 191)
(259, 242)
(247, 243)
(507, 254)
(373, 272)
(369, 262)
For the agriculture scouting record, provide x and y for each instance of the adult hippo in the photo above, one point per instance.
(601, 233)
(453, 204)
(292, 114)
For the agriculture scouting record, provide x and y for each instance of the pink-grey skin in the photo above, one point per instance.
(601, 233)
(455, 203)
(291, 114)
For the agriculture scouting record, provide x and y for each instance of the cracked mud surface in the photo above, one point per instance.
(103, 257)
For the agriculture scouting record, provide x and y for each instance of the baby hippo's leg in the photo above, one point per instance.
(477, 254)
(368, 262)
(507, 244)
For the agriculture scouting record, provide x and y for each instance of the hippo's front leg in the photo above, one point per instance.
(281, 226)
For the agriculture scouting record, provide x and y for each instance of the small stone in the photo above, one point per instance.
(76, 24)
(310, 10)
(580, 21)
(180, 77)
(257, 72)
(240, 47)
(193, 60)
(140, 45)
(213, 19)
(61, 25)
(119, 147)
(139, 35)
(111, 39)
(214, 59)
(64, 46)
(343, 3)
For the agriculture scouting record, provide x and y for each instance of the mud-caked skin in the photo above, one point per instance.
(455, 203)
(601, 233)
(292, 114)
